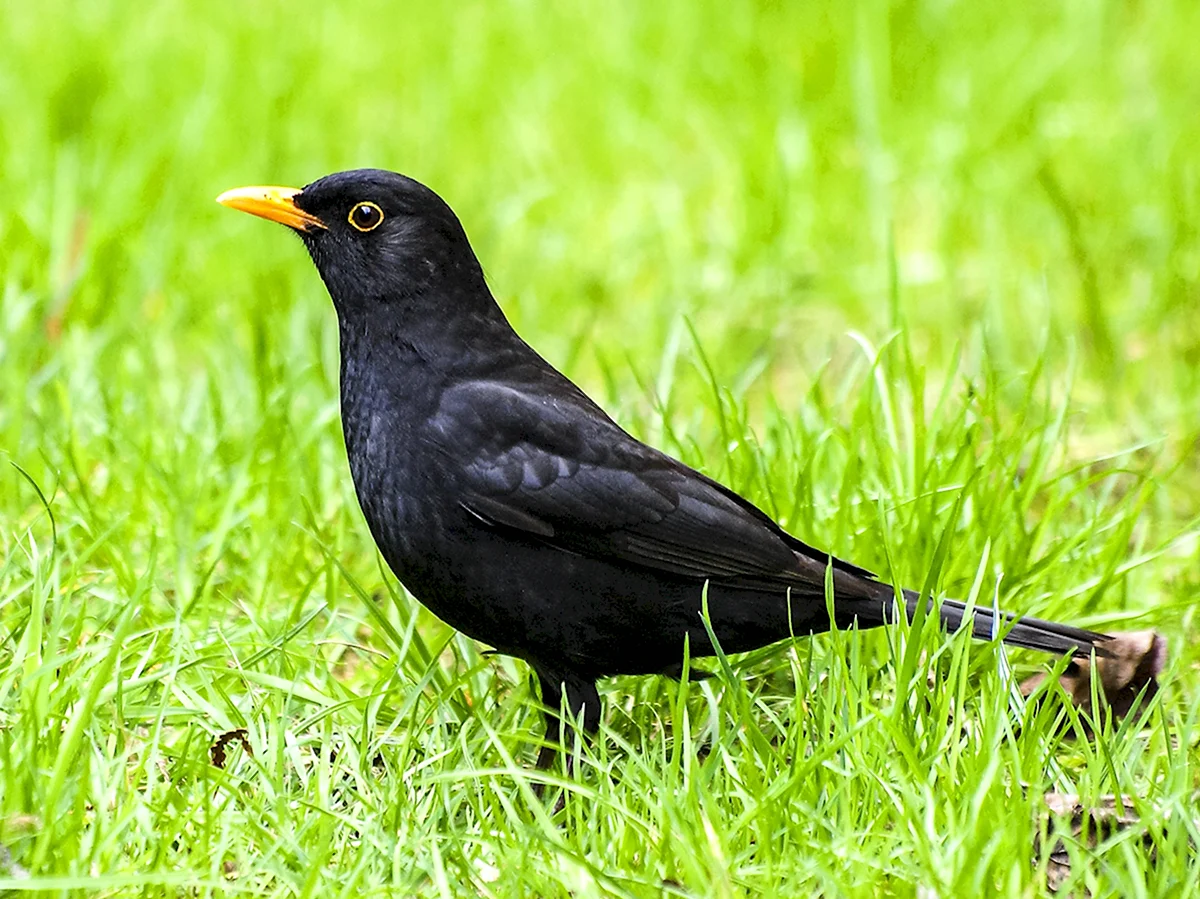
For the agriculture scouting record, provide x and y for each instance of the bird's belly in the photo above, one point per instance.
(596, 616)
(548, 606)
(553, 607)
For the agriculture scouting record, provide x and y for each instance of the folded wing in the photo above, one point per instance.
(580, 482)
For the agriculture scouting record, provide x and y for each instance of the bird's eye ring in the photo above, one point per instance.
(366, 216)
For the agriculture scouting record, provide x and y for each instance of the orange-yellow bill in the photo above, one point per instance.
(274, 203)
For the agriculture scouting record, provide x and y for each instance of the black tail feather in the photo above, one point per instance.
(1027, 633)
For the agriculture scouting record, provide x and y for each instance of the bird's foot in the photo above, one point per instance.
(545, 761)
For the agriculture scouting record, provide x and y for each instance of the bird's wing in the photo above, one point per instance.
(552, 465)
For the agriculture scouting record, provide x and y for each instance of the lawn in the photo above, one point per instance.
(921, 279)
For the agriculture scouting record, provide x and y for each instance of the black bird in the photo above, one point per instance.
(512, 506)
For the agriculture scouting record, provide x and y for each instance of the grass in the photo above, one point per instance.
(920, 279)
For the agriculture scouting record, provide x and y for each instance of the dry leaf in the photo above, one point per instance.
(1089, 827)
(20, 823)
(1137, 658)
(216, 752)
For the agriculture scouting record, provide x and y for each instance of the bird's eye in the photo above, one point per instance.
(366, 216)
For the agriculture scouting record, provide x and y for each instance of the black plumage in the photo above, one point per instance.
(511, 505)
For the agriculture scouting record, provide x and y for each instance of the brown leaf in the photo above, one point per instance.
(19, 823)
(1136, 660)
(1089, 827)
(216, 752)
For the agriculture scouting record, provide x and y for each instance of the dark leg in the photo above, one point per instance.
(581, 696)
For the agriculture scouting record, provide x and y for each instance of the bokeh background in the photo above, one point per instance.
(616, 165)
(711, 215)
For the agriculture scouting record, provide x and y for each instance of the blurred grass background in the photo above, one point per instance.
(687, 207)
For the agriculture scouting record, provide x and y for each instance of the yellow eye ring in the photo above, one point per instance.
(365, 216)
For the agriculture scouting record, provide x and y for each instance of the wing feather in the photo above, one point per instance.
(558, 469)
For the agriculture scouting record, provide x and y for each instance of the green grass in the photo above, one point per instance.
(923, 280)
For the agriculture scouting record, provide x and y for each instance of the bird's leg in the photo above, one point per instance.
(581, 698)
(552, 693)
(549, 751)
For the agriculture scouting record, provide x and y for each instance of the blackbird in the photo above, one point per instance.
(513, 507)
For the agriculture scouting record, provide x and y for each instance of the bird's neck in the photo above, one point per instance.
(395, 366)
(386, 370)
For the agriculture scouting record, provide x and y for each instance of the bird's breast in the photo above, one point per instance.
(395, 470)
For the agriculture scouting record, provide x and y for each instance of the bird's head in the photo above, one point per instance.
(383, 243)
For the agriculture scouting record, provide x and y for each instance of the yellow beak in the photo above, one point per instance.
(274, 203)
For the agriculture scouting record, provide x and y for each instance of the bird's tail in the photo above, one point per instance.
(1027, 633)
